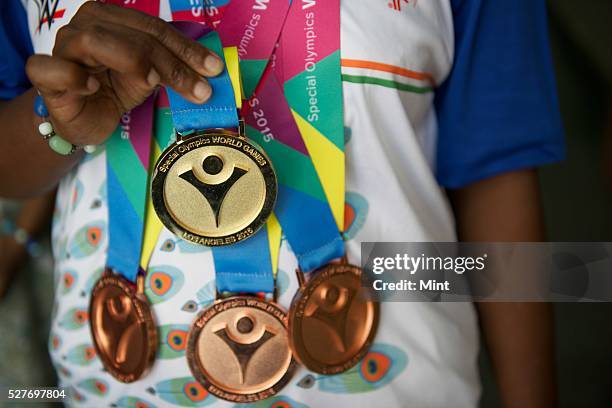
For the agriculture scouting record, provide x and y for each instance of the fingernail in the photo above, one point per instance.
(153, 78)
(202, 91)
(93, 84)
(213, 64)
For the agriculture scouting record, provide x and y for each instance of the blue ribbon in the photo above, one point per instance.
(125, 230)
(219, 111)
(245, 266)
(127, 163)
(310, 228)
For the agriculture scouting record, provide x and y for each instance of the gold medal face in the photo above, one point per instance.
(238, 349)
(332, 320)
(214, 188)
(123, 329)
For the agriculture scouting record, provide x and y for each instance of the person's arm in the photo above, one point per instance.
(498, 115)
(519, 336)
(106, 61)
(27, 165)
(33, 218)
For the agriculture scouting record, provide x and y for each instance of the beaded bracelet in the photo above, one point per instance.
(56, 142)
(21, 237)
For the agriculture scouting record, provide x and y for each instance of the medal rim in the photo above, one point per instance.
(145, 317)
(193, 359)
(159, 178)
(302, 296)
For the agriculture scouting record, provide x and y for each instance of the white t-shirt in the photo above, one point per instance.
(425, 354)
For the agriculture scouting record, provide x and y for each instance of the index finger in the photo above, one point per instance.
(196, 56)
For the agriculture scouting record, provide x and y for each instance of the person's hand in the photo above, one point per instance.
(108, 60)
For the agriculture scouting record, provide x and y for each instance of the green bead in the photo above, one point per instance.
(60, 146)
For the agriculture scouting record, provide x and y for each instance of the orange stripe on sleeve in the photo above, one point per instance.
(423, 76)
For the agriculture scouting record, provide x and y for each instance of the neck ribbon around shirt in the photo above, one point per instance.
(304, 141)
(133, 226)
(296, 115)
(247, 266)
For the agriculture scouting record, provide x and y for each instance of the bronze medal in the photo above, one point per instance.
(214, 188)
(333, 319)
(238, 349)
(122, 326)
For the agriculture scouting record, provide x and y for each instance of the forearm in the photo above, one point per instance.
(36, 213)
(34, 218)
(28, 166)
(519, 336)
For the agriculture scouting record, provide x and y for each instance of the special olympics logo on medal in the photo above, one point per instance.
(244, 340)
(333, 319)
(122, 327)
(239, 349)
(214, 193)
(213, 189)
(330, 307)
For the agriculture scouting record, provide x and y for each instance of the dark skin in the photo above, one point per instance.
(108, 60)
(33, 217)
(519, 336)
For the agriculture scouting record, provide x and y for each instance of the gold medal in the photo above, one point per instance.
(122, 326)
(214, 188)
(238, 349)
(333, 319)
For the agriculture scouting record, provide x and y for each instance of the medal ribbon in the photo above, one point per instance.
(247, 266)
(209, 12)
(127, 162)
(164, 135)
(305, 140)
(252, 26)
(150, 7)
(220, 110)
(301, 205)
(311, 77)
(128, 157)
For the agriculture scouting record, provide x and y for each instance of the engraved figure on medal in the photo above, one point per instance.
(214, 192)
(239, 349)
(244, 343)
(332, 320)
(122, 327)
(213, 189)
(329, 312)
(211, 204)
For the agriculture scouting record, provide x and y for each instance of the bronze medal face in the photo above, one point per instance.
(123, 329)
(238, 349)
(332, 320)
(214, 188)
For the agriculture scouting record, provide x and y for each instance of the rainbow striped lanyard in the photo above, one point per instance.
(303, 138)
(128, 156)
(296, 114)
(248, 266)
